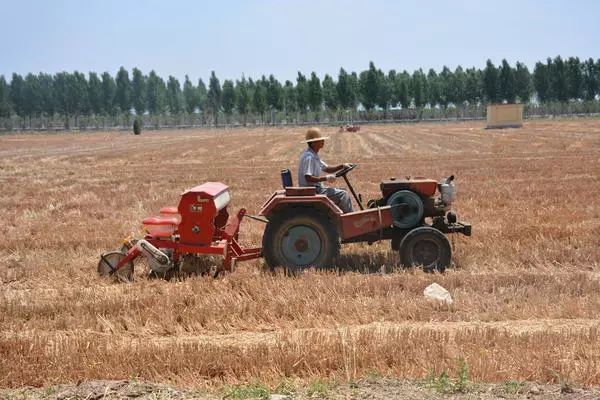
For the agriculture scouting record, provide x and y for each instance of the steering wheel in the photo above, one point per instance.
(345, 170)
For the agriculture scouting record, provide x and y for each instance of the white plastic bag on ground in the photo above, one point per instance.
(437, 292)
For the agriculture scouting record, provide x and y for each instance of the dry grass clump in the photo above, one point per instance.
(494, 353)
(525, 285)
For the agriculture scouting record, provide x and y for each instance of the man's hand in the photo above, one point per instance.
(330, 178)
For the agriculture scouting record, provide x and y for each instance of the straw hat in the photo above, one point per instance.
(313, 135)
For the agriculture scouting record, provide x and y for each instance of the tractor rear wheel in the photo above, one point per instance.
(426, 246)
(299, 239)
(110, 260)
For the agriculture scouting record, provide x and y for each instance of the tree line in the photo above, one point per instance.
(73, 95)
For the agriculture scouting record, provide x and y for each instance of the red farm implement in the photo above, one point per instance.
(303, 228)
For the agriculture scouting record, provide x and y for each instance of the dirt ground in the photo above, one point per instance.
(369, 388)
(526, 285)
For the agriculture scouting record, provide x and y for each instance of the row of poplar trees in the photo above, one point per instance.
(72, 95)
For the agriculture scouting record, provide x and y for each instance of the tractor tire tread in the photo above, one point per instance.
(445, 256)
(276, 221)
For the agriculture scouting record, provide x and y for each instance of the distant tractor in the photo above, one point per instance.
(303, 229)
(349, 128)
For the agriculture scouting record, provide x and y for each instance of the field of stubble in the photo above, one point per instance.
(526, 285)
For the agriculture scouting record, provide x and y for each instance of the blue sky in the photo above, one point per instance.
(181, 37)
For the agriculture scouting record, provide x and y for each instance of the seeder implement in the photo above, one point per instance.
(200, 226)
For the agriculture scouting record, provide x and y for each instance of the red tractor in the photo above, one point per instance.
(303, 229)
(307, 229)
(349, 128)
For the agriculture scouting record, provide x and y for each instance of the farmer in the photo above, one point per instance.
(309, 171)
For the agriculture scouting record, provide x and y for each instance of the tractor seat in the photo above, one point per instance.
(160, 226)
(286, 178)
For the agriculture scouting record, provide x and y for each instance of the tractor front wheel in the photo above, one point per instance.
(426, 246)
(299, 239)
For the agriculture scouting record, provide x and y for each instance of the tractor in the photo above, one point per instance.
(306, 229)
(303, 229)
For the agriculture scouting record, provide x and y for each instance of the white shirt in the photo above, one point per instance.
(310, 164)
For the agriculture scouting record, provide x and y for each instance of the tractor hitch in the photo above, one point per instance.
(460, 227)
(451, 225)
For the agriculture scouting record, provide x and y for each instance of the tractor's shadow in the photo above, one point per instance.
(361, 263)
(368, 263)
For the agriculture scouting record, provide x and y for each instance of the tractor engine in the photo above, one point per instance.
(413, 199)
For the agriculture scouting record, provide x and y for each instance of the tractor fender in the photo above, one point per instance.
(279, 203)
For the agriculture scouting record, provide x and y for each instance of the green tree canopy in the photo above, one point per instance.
(384, 90)
(32, 100)
(369, 88)
(354, 88)
(156, 93)
(435, 89)
(346, 92)
(315, 93)
(301, 92)
(491, 83)
(70, 94)
(558, 79)
(541, 82)
(259, 97)
(401, 89)
(392, 77)
(213, 98)
(189, 96)
(138, 91)
(202, 95)
(523, 84)
(419, 88)
(174, 96)
(458, 82)
(46, 87)
(83, 100)
(228, 97)
(591, 78)
(508, 87)
(290, 103)
(109, 90)
(330, 97)
(473, 86)
(274, 94)
(574, 79)
(74, 94)
(64, 102)
(242, 96)
(17, 94)
(95, 93)
(445, 83)
(5, 108)
(123, 93)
